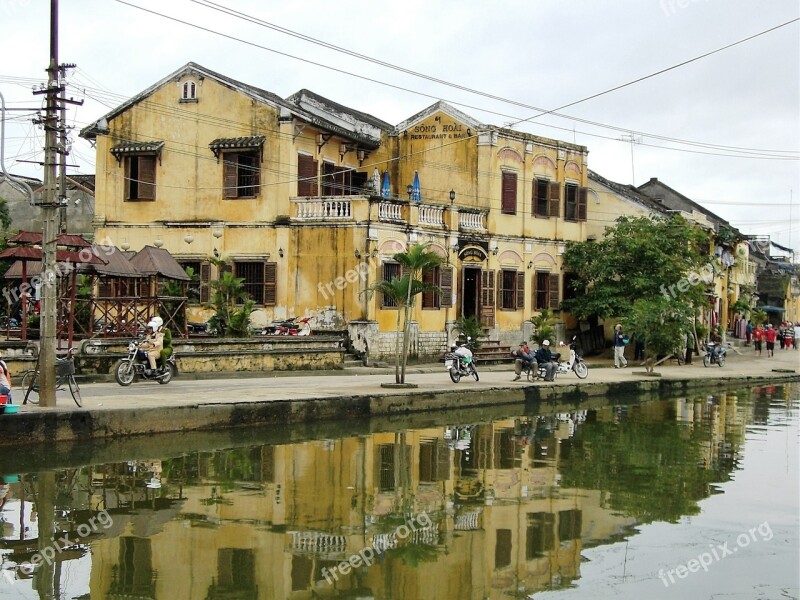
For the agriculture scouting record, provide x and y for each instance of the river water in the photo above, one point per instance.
(630, 498)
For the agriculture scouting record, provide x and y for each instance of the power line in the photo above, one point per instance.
(519, 121)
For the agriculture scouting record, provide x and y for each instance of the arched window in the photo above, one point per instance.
(189, 91)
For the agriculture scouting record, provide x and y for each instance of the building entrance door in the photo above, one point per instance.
(470, 292)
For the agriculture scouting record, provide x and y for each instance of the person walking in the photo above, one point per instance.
(748, 332)
(620, 339)
(758, 337)
(770, 335)
(796, 334)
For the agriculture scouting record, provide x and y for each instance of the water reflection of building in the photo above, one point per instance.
(509, 506)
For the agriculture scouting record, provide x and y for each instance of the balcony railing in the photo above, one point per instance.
(432, 216)
(472, 221)
(324, 209)
(390, 211)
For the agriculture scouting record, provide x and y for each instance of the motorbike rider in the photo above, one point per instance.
(461, 351)
(151, 346)
(544, 359)
(166, 351)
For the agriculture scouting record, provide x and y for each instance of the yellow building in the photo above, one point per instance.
(308, 201)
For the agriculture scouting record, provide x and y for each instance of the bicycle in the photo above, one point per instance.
(65, 374)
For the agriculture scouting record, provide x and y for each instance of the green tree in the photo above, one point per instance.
(417, 259)
(231, 304)
(543, 326)
(470, 327)
(758, 316)
(639, 257)
(5, 217)
(403, 291)
(661, 324)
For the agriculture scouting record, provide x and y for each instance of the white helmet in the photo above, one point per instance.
(152, 325)
(546, 343)
(157, 323)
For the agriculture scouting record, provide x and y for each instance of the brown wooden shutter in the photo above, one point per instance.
(555, 199)
(229, 178)
(205, 277)
(583, 194)
(270, 284)
(428, 296)
(552, 284)
(508, 202)
(446, 285)
(306, 175)
(520, 290)
(487, 298)
(147, 177)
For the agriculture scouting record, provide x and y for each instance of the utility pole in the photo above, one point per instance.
(50, 228)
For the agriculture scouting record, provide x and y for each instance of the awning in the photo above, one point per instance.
(249, 142)
(137, 149)
(771, 309)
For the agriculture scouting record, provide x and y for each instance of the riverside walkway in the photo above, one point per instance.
(243, 399)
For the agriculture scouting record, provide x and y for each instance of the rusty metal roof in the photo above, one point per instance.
(157, 261)
(63, 239)
(29, 253)
(250, 141)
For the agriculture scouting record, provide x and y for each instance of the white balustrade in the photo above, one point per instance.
(390, 211)
(431, 215)
(466, 522)
(324, 209)
(316, 542)
(471, 220)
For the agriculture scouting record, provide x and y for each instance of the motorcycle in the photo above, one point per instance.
(715, 355)
(129, 368)
(289, 327)
(574, 362)
(460, 364)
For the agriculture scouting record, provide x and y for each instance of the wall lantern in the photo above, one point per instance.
(280, 252)
(188, 238)
(452, 195)
(158, 243)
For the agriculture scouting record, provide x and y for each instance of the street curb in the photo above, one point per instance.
(66, 425)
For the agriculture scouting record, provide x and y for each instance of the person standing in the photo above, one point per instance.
(770, 335)
(748, 332)
(796, 334)
(620, 339)
(5, 380)
(758, 337)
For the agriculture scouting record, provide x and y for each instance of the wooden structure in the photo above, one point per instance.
(72, 252)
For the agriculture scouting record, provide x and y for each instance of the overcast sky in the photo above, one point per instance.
(742, 102)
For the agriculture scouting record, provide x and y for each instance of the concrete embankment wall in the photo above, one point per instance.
(229, 414)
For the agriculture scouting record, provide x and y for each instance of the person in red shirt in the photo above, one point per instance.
(758, 336)
(770, 335)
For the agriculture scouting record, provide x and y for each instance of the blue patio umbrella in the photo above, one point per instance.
(416, 192)
(386, 191)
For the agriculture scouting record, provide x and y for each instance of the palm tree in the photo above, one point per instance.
(402, 291)
(417, 259)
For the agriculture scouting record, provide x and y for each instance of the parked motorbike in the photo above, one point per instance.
(127, 369)
(573, 363)
(289, 327)
(459, 361)
(715, 355)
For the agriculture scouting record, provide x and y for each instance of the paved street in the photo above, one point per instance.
(188, 391)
